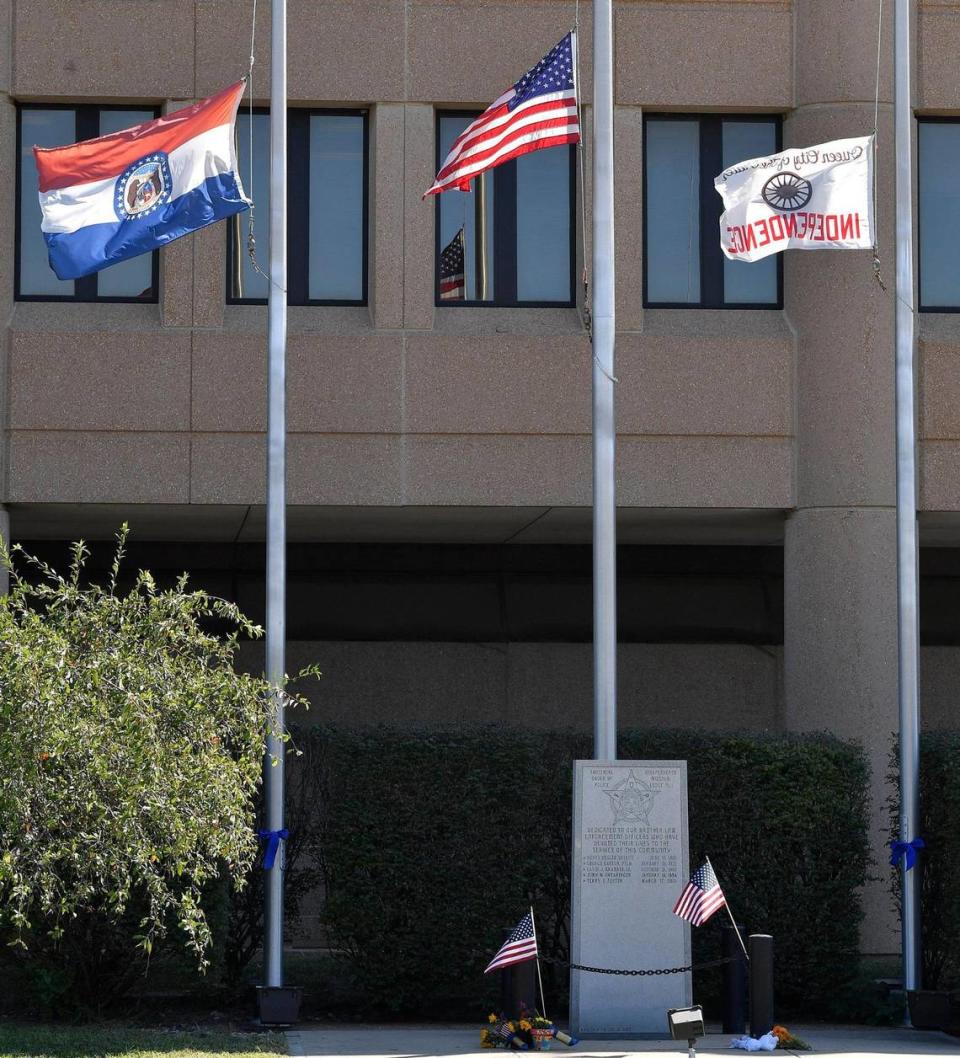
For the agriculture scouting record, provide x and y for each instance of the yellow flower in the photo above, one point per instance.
(491, 1018)
(525, 1025)
(511, 1026)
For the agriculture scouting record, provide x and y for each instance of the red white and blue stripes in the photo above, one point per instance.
(452, 276)
(539, 111)
(127, 193)
(701, 897)
(518, 947)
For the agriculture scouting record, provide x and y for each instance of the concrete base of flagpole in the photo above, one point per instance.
(279, 1006)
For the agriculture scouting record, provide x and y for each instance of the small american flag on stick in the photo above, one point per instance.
(518, 947)
(452, 283)
(540, 110)
(701, 896)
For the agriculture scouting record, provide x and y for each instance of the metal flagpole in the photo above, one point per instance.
(604, 423)
(276, 485)
(480, 236)
(907, 556)
(730, 913)
(543, 1002)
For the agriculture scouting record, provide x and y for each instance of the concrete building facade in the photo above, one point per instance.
(439, 456)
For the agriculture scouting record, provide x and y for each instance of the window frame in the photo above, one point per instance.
(504, 231)
(711, 208)
(298, 203)
(85, 288)
(929, 120)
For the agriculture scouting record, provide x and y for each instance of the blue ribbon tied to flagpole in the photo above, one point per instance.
(907, 849)
(273, 839)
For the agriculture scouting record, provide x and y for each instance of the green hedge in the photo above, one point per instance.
(937, 863)
(432, 842)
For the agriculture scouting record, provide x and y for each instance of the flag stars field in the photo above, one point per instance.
(538, 111)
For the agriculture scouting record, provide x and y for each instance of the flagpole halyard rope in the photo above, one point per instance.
(876, 135)
(251, 238)
(876, 100)
(581, 152)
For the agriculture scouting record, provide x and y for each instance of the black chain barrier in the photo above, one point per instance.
(639, 973)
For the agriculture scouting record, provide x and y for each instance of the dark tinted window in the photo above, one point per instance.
(133, 280)
(517, 224)
(683, 263)
(938, 144)
(327, 203)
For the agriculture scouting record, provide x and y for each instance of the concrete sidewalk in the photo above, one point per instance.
(441, 1041)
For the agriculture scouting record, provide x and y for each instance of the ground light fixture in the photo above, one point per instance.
(686, 1023)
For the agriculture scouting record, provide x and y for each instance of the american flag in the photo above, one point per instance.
(701, 897)
(540, 110)
(452, 284)
(504, 1033)
(518, 947)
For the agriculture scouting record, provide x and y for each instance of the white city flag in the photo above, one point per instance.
(805, 198)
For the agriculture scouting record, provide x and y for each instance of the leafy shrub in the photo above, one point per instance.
(130, 762)
(432, 842)
(937, 863)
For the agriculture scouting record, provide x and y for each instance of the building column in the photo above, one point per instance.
(840, 657)
(5, 537)
(840, 620)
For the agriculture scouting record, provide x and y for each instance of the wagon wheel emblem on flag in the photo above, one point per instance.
(787, 191)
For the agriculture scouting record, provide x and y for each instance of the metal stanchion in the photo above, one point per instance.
(734, 984)
(760, 946)
(518, 986)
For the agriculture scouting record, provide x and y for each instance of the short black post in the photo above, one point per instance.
(734, 983)
(760, 947)
(518, 986)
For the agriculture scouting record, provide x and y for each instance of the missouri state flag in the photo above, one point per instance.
(112, 198)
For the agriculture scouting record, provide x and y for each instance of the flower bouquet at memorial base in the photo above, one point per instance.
(541, 1029)
(787, 1040)
(505, 1032)
(530, 1032)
